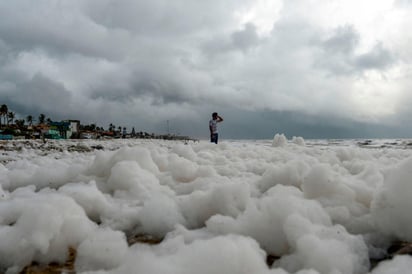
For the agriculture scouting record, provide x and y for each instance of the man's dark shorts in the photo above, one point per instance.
(213, 138)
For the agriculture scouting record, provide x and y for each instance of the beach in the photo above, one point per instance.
(242, 206)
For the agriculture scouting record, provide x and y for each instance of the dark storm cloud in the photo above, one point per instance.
(340, 57)
(344, 40)
(245, 38)
(144, 62)
(39, 94)
(26, 25)
(160, 18)
(377, 58)
(240, 40)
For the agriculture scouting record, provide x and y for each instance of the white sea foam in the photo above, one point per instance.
(322, 206)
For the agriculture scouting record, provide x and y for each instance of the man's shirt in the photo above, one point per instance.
(213, 125)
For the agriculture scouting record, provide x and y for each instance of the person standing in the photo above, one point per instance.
(213, 127)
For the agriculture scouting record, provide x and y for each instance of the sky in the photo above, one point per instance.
(316, 69)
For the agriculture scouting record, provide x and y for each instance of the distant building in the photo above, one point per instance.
(59, 130)
(74, 129)
(41, 130)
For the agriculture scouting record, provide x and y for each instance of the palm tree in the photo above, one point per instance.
(3, 112)
(20, 123)
(30, 120)
(10, 117)
(42, 118)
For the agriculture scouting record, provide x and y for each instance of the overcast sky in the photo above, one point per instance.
(310, 68)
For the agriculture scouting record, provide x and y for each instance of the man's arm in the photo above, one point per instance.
(219, 119)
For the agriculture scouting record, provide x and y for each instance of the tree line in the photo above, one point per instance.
(7, 118)
(8, 123)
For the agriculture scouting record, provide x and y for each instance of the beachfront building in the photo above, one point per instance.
(58, 130)
(74, 129)
(64, 129)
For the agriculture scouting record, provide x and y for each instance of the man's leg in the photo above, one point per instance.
(213, 138)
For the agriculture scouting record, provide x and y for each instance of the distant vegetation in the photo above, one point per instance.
(45, 127)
